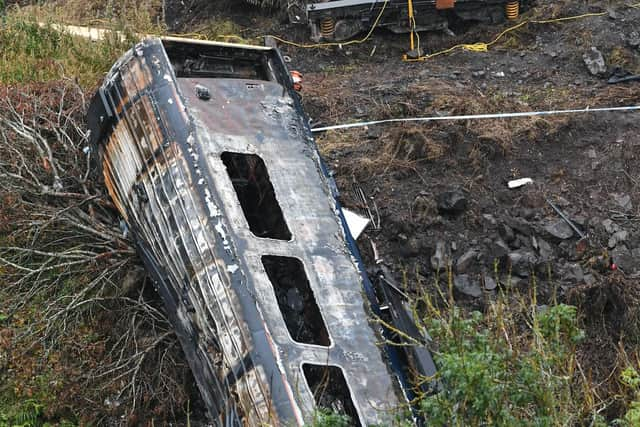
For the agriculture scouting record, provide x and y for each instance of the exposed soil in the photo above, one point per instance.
(439, 191)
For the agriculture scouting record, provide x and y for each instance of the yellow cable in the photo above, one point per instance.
(199, 36)
(484, 47)
(347, 43)
(412, 23)
(569, 18)
(473, 47)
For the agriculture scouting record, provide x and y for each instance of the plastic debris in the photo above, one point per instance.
(355, 222)
(519, 182)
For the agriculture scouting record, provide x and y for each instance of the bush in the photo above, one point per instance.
(490, 375)
(326, 418)
(630, 379)
(26, 414)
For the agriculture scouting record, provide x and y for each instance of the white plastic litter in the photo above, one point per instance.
(355, 222)
(519, 182)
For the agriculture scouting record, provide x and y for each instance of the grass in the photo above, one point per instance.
(27, 414)
(630, 379)
(516, 364)
(487, 379)
(29, 396)
(31, 53)
(326, 418)
(141, 16)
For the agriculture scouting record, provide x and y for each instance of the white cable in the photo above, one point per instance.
(475, 117)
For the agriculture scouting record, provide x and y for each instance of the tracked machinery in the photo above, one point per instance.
(340, 20)
(208, 156)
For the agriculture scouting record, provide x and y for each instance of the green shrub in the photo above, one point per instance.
(490, 377)
(25, 414)
(630, 379)
(326, 418)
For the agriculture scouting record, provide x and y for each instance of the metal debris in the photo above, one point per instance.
(566, 219)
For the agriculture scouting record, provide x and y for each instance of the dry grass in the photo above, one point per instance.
(83, 339)
(144, 16)
(411, 146)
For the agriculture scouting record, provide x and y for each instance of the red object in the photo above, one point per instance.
(297, 80)
(445, 4)
(614, 266)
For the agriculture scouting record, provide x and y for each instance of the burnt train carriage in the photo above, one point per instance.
(207, 155)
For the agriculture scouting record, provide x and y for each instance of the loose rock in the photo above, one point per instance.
(634, 39)
(374, 132)
(545, 250)
(506, 233)
(489, 283)
(522, 262)
(496, 250)
(490, 219)
(465, 285)
(610, 226)
(623, 200)
(466, 261)
(519, 225)
(624, 259)
(559, 230)
(594, 61)
(618, 237)
(575, 273)
(452, 202)
(440, 257)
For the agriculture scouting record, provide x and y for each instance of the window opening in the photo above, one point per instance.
(330, 390)
(257, 197)
(296, 300)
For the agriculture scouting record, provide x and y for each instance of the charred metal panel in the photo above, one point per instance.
(161, 123)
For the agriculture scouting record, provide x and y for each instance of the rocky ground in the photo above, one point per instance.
(438, 193)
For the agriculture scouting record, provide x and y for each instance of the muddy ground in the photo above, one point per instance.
(438, 193)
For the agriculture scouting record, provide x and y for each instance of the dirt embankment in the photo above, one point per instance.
(438, 193)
